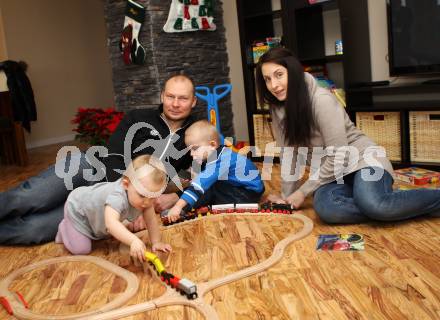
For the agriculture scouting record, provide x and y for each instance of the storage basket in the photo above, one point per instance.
(424, 131)
(262, 133)
(384, 129)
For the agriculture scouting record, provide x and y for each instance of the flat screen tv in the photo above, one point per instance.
(414, 36)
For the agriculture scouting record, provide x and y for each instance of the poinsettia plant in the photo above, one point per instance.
(94, 126)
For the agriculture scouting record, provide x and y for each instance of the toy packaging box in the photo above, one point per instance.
(417, 176)
(261, 47)
(340, 242)
(258, 51)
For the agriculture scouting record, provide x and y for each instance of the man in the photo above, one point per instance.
(30, 213)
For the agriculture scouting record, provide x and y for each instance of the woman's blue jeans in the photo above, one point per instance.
(358, 200)
(30, 213)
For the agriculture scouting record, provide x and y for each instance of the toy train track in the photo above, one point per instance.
(184, 286)
(266, 207)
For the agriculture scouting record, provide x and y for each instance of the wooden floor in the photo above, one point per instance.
(396, 277)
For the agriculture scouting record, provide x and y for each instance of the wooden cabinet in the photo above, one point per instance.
(311, 31)
(257, 21)
(416, 107)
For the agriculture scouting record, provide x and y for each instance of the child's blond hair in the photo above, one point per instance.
(205, 130)
(147, 166)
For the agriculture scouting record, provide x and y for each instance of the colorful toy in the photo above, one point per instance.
(5, 302)
(417, 176)
(229, 208)
(184, 286)
(212, 98)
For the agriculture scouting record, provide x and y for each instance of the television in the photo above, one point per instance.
(414, 36)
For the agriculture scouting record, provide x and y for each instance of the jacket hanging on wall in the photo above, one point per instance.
(20, 89)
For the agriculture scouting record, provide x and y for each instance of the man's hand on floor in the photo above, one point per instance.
(165, 201)
(137, 225)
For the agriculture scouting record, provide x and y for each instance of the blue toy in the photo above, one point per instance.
(211, 99)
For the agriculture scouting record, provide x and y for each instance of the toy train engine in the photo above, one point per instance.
(184, 286)
(282, 208)
(266, 207)
(192, 214)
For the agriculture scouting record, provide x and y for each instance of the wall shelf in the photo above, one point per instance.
(303, 29)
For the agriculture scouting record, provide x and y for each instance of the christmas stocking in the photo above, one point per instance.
(131, 49)
(190, 15)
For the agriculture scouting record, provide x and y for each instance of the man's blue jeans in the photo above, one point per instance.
(30, 213)
(358, 200)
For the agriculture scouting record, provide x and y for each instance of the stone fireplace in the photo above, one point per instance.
(200, 54)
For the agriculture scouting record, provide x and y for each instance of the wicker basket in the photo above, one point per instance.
(384, 129)
(262, 132)
(424, 131)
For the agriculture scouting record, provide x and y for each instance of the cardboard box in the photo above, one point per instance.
(258, 51)
(417, 176)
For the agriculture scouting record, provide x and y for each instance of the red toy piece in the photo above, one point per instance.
(6, 305)
(174, 282)
(21, 298)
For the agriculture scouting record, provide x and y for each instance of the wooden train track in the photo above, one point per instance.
(21, 312)
(170, 297)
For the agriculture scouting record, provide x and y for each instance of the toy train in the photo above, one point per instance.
(184, 286)
(266, 207)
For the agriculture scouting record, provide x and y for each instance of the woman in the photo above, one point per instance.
(350, 176)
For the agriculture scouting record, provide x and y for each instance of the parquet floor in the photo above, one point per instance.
(397, 276)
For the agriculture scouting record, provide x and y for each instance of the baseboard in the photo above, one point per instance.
(46, 142)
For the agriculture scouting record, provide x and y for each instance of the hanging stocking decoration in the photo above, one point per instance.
(190, 15)
(132, 51)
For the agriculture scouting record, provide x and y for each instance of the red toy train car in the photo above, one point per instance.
(230, 208)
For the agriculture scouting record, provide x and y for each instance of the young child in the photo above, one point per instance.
(96, 212)
(226, 176)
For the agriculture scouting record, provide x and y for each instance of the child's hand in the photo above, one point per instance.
(185, 182)
(137, 249)
(174, 214)
(160, 246)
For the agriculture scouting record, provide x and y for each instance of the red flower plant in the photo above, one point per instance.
(94, 125)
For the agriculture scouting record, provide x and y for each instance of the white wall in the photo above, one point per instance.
(235, 70)
(3, 49)
(64, 44)
(377, 20)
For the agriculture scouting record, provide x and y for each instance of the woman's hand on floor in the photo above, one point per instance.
(275, 198)
(296, 199)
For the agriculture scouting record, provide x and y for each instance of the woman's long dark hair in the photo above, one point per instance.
(299, 122)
